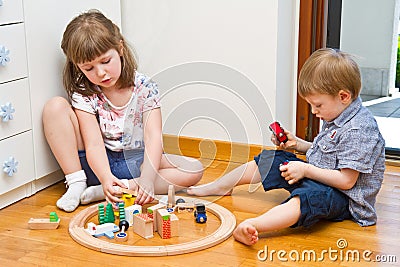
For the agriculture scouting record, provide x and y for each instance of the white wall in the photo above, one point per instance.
(368, 30)
(45, 22)
(225, 69)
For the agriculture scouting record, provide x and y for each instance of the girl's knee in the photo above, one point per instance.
(56, 106)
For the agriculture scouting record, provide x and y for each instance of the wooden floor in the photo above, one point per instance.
(21, 246)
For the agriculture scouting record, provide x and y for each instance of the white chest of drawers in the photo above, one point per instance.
(31, 32)
(16, 146)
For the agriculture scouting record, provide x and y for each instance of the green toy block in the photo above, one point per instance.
(53, 216)
(121, 208)
(109, 218)
(100, 215)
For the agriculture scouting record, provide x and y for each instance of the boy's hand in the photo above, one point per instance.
(145, 191)
(294, 171)
(290, 144)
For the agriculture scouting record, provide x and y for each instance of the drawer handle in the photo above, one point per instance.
(10, 166)
(4, 58)
(6, 112)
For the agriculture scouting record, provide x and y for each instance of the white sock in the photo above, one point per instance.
(76, 184)
(96, 193)
(92, 194)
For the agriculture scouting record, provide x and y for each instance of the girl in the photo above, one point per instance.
(112, 133)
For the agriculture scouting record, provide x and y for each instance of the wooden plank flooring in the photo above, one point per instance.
(21, 246)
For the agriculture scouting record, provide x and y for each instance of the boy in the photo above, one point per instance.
(345, 162)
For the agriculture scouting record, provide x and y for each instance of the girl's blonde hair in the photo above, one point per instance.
(327, 71)
(88, 36)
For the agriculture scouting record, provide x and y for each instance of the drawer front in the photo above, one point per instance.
(11, 11)
(12, 41)
(15, 102)
(18, 149)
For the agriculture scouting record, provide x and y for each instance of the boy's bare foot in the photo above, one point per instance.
(210, 189)
(246, 233)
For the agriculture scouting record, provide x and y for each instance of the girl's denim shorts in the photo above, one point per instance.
(124, 164)
(317, 201)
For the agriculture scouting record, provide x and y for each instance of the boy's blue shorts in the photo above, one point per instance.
(317, 201)
(124, 165)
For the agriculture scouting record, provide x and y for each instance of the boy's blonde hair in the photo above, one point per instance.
(327, 71)
(88, 36)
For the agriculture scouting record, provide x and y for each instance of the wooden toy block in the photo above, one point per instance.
(143, 225)
(128, 191)
(110, 217)
(174, 225)
(152, 211)
(167, 224)
(185, 206)
(128, 199)
(131, 211)
(45, 223)
(53, 217)
(121, 211)
(171, 196)
(163, 223)
(101, 214)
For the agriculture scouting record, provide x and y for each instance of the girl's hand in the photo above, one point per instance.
(110, 192)
(294, 171)
(145, 191)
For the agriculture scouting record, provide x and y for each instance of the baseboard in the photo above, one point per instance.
(392, 162)
(46, 181)
(15, 195)
(211, 149)
(223, 150)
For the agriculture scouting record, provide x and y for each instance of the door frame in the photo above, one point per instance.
(312, 36)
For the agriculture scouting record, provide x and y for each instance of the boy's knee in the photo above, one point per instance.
(198, 167)
(198, 175)
(188, 164)
(195, 170)
(295, 201)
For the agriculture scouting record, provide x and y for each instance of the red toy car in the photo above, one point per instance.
(278, 131)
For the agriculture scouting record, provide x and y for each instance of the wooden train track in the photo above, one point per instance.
(223, 232)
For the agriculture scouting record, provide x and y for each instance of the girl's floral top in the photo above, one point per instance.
(122, 127)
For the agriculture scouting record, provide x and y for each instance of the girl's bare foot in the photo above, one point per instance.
(210, 189)
(246, 233)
